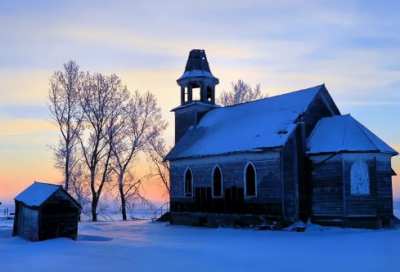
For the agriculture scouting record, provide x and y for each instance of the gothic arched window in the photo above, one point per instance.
(217, 182)
(250, 184)
(359, 178)
(188, 183)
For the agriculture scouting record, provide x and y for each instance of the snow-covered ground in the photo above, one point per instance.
(145, 246)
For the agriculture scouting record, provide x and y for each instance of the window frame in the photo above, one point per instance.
(245, 180)
(212, 182)
(184, 183)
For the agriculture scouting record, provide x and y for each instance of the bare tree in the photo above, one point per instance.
(156, 154)
(80, 186)
(103, 99)
(241, 92)
(65, 111)
(134, 194)
(141, 124)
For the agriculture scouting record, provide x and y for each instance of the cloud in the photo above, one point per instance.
(26, 126)
(352, 46)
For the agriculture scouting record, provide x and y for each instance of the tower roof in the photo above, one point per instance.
(197, 66)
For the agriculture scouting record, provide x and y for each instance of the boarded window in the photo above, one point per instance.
(250, 177)
(188, 183)
(359, 178)
(217, 182)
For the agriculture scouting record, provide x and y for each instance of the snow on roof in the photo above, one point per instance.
(247, 127)
(344, 133)
(196, 73)
(37, 193)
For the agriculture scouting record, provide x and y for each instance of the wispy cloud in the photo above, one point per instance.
(351, 45)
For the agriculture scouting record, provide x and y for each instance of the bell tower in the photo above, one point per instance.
(197, 92)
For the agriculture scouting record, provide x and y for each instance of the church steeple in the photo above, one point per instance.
(197, 93)
(197, 82)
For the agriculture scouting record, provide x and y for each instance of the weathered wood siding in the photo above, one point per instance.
(59, 217)
(268, 179)
(184, 118)
(331, 187)
(327, 186)
(380, 200)
(290, 179)
(189, 116)
(304, 174)
(322, 106)
(28, 223)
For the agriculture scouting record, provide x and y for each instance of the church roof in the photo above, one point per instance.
(343, 133)
(248, 127)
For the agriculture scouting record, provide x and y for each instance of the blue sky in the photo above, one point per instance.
(351, 46)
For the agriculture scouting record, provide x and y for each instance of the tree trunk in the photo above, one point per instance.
(94, 195)
(122, 195)
(66, 185)
(94, 208)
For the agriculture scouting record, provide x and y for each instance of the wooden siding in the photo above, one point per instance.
(57, 217)
(331, 199)
(380, 200)
(184, 118)
(327, 188)
(290, 179)
(317, 110)
(27, 226)
(269, 193)
(304, 175)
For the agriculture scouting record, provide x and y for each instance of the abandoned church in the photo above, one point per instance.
(285, 158)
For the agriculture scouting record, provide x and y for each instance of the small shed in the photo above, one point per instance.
(45, 211)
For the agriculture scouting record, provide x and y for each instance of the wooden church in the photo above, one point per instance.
(284, 158)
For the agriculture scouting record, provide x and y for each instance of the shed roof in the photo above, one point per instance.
(36, 194)
(344, 133)
(247, 127)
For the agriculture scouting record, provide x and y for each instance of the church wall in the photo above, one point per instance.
(269, 193)
(290, 179)
(327, 185)
(331, 201)
(379, 201)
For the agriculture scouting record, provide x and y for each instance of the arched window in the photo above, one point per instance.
(217, 182)
(359, 178)
(250, 184)
(188, 183)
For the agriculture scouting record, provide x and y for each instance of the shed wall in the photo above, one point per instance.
(28, 223)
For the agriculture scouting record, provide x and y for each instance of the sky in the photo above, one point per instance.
(351, 46)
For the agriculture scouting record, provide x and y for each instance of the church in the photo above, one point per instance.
(283, 159)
